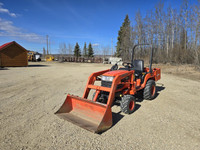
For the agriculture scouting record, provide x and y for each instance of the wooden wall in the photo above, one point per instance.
(13, 56)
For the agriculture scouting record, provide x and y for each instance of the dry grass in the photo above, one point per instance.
(186, 71)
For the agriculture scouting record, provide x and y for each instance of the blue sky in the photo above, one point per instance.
(68, 21)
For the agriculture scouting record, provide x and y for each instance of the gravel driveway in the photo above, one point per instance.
(29, 97)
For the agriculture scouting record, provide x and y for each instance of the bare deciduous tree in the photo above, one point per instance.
(62, 49)
(176, 35)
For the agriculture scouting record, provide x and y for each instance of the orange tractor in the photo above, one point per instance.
(117, 85)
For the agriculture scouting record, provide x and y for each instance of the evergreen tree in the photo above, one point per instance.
(77, 51)
(118, 47)
(85, 51)
(90, 51)
(124, 40)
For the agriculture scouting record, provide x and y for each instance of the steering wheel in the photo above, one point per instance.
(114, 67)
(127, 65)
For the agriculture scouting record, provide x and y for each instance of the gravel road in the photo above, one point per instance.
(29, 97)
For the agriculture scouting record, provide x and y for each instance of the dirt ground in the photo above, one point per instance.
(29, 97)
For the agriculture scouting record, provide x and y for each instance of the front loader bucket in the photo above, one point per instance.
(93, 116)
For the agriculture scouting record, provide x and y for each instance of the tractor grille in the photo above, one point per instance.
(106, 84)
(109, 84)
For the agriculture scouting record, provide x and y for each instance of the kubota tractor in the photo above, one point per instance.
(117, 85)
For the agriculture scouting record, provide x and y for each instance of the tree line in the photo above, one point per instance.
(87, 51)
(174, 34)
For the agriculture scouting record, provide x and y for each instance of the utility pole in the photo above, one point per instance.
(49, 47)
(44, 52)
(47, 44)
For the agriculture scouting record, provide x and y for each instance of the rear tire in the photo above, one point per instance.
(150, 90)
(127, 104)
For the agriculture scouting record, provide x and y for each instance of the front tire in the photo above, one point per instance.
(150, 90)
(127, 104)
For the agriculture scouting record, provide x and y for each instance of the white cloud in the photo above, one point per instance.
(8, 29)
(4, 10)
(95, 44)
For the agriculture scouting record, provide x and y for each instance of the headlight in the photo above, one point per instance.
(107, 78)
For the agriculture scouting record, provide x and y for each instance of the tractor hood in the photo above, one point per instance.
(115, 72)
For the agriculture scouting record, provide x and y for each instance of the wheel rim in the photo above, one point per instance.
(131, 105)
(153, 90)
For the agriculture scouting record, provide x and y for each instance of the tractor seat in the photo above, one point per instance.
(138, 66)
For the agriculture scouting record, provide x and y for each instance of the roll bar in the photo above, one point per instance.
(151, 55)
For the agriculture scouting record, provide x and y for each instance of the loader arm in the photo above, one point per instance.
(116, 81)
(91, 80)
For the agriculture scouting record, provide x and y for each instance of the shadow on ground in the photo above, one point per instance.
(2, 68)
(118, 116)
(139, 98)
(37, 65)
(159, 88)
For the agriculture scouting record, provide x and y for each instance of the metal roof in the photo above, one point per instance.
(5, 45)
(10, 43)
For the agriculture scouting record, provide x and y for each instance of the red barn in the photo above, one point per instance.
(13, 55)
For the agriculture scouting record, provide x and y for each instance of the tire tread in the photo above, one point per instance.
(125, 103)
(147, 90)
